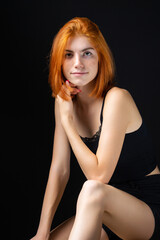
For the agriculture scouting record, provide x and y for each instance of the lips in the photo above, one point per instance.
(79, 73)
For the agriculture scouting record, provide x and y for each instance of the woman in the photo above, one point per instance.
(120, 197)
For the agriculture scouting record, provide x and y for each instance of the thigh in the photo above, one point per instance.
(127, 216)
(62, 232)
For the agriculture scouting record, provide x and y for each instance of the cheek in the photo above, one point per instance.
(94, 66)
(65, 69)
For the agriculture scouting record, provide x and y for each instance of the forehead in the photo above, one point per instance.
(78, 43)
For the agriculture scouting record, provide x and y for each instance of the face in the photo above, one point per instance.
(80, 65)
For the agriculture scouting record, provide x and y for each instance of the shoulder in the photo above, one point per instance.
(118, 104)
(117, 92)
(118, 96)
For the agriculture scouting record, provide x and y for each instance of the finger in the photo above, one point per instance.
(70, 84)
(68, 87)
(65, 90)
(75, 91)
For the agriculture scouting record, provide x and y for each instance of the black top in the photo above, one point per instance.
(136, 160)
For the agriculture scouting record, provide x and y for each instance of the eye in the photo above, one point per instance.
(68, 55)
(87, 53)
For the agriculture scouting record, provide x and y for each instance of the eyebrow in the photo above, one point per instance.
(67, 50)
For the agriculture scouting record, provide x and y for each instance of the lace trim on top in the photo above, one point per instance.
(94, 137)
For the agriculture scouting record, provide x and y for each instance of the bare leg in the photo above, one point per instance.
(124, 214)
(62, 232)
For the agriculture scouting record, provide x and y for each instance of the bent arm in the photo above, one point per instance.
(116, 118)
(58, 177)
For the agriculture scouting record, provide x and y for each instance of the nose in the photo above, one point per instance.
(78, 63)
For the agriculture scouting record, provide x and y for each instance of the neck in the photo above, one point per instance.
(85, 103)
(83, 100)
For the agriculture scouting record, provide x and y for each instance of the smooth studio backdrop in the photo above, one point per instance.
(131, 28)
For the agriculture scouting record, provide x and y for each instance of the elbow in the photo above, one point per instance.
(101, 178)
(100, 173)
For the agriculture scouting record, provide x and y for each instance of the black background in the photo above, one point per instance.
(131, 29)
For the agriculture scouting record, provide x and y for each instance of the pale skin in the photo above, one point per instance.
(98, 202)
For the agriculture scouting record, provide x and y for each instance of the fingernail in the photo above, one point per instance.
(79, 90)
(67, 81)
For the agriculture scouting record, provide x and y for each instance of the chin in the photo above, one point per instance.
(77, 82)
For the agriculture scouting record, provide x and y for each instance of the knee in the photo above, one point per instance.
(92, 186)
(92, 192)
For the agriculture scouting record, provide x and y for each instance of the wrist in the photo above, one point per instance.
(67, 120)
(43, 234)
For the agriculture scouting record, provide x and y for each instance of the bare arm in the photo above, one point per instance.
(58, 177)
(116, 118)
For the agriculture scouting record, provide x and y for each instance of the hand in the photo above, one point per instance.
(68, 91)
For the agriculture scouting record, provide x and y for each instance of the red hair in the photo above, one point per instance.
(106, 70)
